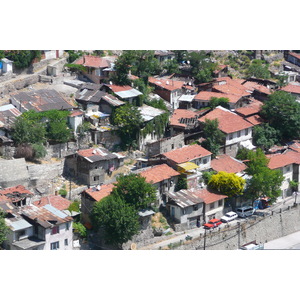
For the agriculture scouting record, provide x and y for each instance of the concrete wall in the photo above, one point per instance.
(261, 229)
(165, 145)
(60, 237)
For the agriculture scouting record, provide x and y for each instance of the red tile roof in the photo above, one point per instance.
(295, 146)
(297, 55)
(206, 96)
(228, 121)
(119, 88)
(167, 84)
(281, 160)
(232, 86)
(208, 196)
(255, 120)
(14, 192)
(92, 61)
(76, 113)
(104, 191)
(291, 88)
(158, 173)
(182, 114)
(186, 153)
(58, 202)
(227, 164)
(253, 108)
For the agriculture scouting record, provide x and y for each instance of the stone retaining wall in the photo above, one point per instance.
(261, 229)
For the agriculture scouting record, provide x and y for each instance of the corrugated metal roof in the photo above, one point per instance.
(128, 94)
(184, 198)
(18, 224)
(55, 211)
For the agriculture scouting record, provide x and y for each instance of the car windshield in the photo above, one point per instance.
(228, 215)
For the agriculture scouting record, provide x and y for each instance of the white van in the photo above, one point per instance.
(244, 212)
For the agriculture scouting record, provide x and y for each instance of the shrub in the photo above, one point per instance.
(63, 192)
(80, 229)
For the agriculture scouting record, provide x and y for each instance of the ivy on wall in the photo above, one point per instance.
(157, 126)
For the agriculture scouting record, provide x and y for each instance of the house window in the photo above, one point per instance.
(96, 178)
(195, 207)
(211, 206)
(220, 202)
(66, 242)
(204, 161)
(238, 134)
(55, 230)
(230, 136)
(288, 169)
(67, 226)
(246, 131)
(54, 246)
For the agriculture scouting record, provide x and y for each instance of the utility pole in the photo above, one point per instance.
(70, 189)
(204, 239)
(239, 238)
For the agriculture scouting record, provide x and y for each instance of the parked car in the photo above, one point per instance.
(229, 217)
(213, 223)
(245, 211)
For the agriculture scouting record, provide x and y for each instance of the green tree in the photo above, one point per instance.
(214, 137)
(28, 131)
(39, 151)
(282, 80)
(171, 65)
(201, 66)
(3, 227)
(257, 161)
(258, 69)
(265, 182)
(22, 58)
(242, 153)
(118, 220)
(227, 183)
(206, 176)
(134, 191)
(59, 132)
(265, 136)
(180, 55)
(2, 54)
(129, 120)
(74, 206)
(80, 229)
(222, 101)
(181, 183)
(142, 63)
(282, 112)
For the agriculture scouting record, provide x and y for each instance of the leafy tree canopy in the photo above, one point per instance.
(129, 120)
(227, 183)
(213, 135)
(181, 183)
(222, 101)
(282, 112)
(22, 58)
(265, 136)
(142, 63)
(3, 227)
(118, 219)
(135, 191)
(258, 69)
(257, 161)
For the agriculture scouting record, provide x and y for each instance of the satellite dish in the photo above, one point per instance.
(133, 246)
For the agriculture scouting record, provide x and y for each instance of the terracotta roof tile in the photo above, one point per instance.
(158, 173)
(206, 96)
(291, 88)
(98, 195)
(280, 160)
(167, 84)
(228, 121)
(227, 164)
(119, 88)
(208, 196)
(297, 55)
(92, 61)
(58, 202)
(14, 193)
(253, 108)
(186, 153)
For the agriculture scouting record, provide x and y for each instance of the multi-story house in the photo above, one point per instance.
(238, 132)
